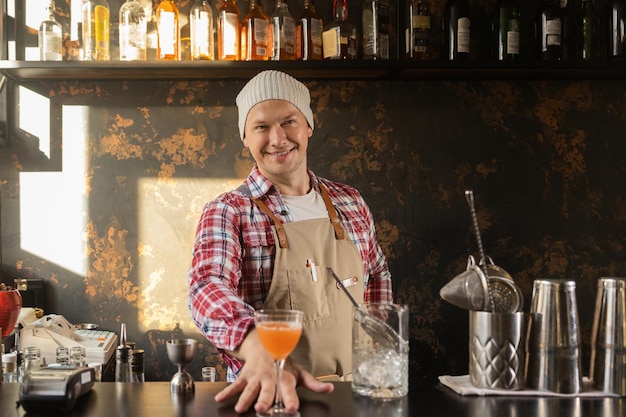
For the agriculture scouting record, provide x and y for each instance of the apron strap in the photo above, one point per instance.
(332, 213)
(280, 230)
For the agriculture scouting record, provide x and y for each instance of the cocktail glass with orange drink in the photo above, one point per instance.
(279, 332)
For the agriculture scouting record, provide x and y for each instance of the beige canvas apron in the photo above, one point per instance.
(325, 347)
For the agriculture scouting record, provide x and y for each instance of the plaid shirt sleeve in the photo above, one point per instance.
(216, 308)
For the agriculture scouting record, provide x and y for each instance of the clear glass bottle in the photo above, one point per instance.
(456, 30)
(417, 30)
(184, 45)
(152, 39)
(506, 30)
(96, 25)
(255, 34)
(228, 31)
(132, 31)
(340, 40)
(123, 370)
(375, 28)
(201, 30)
(548, 31)
(590, 30)
(168, 34)
(283, 28)
(50, 36)
(309, 29)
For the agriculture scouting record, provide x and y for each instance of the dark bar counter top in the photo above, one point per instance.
(153, 399)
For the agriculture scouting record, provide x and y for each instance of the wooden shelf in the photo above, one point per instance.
(21, 71)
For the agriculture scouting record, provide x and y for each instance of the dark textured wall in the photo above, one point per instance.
(544, 158)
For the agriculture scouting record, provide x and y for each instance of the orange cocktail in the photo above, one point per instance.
(279, 332)
(279, 338)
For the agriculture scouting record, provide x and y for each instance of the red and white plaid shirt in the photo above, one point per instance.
(233, 257)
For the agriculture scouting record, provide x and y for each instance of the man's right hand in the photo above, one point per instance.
(257, 379)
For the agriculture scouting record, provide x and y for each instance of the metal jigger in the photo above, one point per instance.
(180, 352)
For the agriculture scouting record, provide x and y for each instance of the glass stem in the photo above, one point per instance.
(278, 399)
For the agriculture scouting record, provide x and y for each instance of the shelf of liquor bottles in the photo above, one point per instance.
(480, 65)
(334, 70)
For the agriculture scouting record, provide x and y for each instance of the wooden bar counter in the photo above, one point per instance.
(153, 399)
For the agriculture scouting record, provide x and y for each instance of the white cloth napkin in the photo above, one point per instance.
(461, 385)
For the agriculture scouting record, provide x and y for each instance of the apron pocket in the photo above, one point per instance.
(309, 295)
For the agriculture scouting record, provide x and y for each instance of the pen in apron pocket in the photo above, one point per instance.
(311, 264)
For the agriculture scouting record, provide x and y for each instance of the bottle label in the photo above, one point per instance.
(553, 32)
(167, 33)
(421, 22)
(331, 41)
(101, 14)
(260, 31)
(316, 34)
(229, 30)
(463, 35)
(512, 42)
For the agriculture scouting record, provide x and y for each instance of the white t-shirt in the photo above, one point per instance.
(305, 207)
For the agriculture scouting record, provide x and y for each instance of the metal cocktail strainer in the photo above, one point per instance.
(486, 286)
(469, 290)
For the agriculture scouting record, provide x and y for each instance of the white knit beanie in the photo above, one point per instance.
(273, 85)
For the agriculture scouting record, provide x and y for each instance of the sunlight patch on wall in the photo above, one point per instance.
(53, 205)
(168, 212)
(34, 116)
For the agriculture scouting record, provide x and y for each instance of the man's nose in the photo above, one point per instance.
(277, 135)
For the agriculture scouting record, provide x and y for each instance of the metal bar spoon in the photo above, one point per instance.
(372, 325)
(469, 196)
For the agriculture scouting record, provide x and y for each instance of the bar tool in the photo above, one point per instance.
(608, 337)
(470, 290)
(469, 196)
(375, 327)
(553, 338)
(181, 352)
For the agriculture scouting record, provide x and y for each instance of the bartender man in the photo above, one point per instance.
(269, 243)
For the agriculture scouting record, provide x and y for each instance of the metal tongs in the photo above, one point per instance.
(375, 327)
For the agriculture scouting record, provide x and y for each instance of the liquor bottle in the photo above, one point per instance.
(132, 31)
(339, 39)
(201, 30)
(507, 30)
(616, 29)
(283, 28)
(184, 43)
(309, 29)
(571, 31)
(590, 30)
(96, 30)
(168, 35)
(456, 30)
(417, 32)
(255, 34)
(548, 31)
(228, 31)
(152, 38)
(375, 29)
(50, 36)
